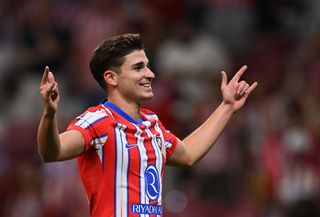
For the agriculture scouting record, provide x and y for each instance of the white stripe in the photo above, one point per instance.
(99, 114)
(125, 170)
(158, 129)
(89, 118)
(152, 116)
(110, 113)
(146, 199)
(118, 170)
(121, 172)
(157, 153)
(143, 165)
(82, 123)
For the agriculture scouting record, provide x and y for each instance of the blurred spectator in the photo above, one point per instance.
(190, 60)
(233, 22)
(265, 164)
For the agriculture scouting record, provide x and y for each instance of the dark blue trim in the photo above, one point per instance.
(121, 112)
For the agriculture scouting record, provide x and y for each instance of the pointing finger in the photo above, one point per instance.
(238, 75)
(45, 75)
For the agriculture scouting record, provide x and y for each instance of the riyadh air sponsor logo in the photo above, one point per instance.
(152, 180)
(146, 209)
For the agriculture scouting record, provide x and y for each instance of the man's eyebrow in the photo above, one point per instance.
(139, 64)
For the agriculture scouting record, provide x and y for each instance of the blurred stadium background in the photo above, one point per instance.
(266, 163)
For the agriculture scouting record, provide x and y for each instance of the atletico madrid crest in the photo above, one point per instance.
(161, 145)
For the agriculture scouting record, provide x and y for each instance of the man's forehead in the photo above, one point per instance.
(136, 57)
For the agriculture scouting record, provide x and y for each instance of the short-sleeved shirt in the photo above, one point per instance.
(123, 162)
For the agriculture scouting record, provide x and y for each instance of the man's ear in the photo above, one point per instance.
(110, 78)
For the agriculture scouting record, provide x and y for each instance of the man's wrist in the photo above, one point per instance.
(47, 113)
(227, 107)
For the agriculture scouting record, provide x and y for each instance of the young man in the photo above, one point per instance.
(122, 148)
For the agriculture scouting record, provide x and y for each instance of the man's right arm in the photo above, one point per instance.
(53, 146)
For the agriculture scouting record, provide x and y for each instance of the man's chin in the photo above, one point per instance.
(146, 98)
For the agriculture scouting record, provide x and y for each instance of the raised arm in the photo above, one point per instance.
(197, 144)
(51, 145)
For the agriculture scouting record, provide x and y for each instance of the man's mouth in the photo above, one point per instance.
(148, 85)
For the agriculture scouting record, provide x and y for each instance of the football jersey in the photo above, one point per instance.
(123, 162)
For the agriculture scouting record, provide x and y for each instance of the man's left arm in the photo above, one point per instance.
(198, 143)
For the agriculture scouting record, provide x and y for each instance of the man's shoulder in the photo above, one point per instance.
(146, 111)
(94, 108)
(149, 114)
(94, 113)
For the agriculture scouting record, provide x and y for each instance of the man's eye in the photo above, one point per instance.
(137, 68)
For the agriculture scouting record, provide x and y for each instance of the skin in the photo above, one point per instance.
(198, 143)
(127, 89)
(51, 145)
(132, 85)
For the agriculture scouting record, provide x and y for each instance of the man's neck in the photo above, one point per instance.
(132, 109)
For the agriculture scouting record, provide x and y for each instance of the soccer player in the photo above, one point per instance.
(122, 148)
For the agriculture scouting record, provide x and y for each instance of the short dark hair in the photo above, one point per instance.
(109, 55)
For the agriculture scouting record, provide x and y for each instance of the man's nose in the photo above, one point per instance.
(149, 74)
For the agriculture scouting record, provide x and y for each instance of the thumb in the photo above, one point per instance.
(224, 80)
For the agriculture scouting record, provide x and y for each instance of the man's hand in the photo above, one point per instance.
(235, 93)
(49, 92)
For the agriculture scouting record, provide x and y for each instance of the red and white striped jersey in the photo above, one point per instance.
(123, 162)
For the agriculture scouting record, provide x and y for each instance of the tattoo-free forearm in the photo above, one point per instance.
(48, 138)
(199, 142)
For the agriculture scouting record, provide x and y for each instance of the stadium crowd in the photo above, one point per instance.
(267, 161)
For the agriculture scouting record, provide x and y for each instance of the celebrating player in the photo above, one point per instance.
(122, 148)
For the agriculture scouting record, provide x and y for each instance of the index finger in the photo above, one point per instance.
(238, 75)
(45, 75)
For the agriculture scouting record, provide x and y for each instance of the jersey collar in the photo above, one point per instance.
(121, 112)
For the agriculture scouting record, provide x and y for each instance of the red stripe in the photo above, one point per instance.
(134, 171)
(109, 173)
(155, 132)
(150, 152)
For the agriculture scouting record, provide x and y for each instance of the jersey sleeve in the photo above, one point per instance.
(89, 124)
(170, 140)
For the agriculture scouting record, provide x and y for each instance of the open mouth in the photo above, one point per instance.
(146, 85)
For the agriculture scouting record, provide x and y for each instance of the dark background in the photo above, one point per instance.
(265, 164)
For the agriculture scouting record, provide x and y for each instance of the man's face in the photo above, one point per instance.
(135, 77)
